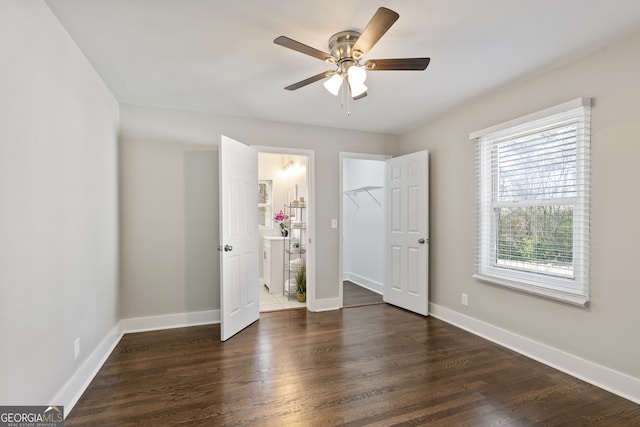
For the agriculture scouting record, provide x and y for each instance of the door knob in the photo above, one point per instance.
(422, 241)
(228, 248)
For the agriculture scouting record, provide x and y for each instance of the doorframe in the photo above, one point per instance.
(342, 155)
(311, 215)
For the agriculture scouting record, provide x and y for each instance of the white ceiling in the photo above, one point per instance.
(219, 57)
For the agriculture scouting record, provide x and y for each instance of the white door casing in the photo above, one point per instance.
(407, 232)
(239, 258)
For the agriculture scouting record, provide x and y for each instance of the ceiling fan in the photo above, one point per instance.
(347, 49)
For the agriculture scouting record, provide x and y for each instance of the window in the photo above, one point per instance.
(265, 204)
(534, 201)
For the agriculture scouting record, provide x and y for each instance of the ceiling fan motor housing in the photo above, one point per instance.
(340, 46)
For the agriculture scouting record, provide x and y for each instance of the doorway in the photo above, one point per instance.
(362, 228)
(403, 230)
(285, 223)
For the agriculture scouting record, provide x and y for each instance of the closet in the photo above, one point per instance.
(362, 222)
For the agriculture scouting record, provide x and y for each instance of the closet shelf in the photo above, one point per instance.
(353, 193)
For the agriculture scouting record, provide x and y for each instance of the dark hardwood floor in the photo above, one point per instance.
(374, 365)
(355, 295)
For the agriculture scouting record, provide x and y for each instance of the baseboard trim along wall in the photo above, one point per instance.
(78, 383)
(324, 304)
(608, 379)
(82, 377)
(169, 321)
(372, 285)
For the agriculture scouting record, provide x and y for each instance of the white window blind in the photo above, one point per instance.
(533, 203)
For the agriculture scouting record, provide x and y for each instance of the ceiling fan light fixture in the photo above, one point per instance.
(334, 84)
(357, 89)
(357, 75)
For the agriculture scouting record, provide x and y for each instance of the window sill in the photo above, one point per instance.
(578, 300)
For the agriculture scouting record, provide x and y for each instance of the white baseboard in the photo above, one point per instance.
(608, 379)
(324, 304)
(372, 285)
(170, 321)
(616, 382)
(78, 383)
(82, 377)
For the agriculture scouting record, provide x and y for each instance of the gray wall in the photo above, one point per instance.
(607, 331)
(152, 141)
(58, 205)
(169, 228)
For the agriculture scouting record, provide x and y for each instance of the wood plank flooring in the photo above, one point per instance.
(373, 365)
(355, 295)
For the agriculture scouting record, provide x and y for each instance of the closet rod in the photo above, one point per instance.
(351, 193)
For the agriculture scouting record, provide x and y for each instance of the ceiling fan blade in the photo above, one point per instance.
(382, 20)
(362, 95)
(303, 48)
(397, 64)
(309, 80)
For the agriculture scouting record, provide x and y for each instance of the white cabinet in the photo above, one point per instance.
(272, 261)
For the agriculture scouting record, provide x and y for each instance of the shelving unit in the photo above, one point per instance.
(352, 194)
(295, 248)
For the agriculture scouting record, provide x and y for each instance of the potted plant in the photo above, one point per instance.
(301, 283)
(280, 218)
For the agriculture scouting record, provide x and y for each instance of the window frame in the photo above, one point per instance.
(571, 290)
(268, 205)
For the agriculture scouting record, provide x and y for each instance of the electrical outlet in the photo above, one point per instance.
(465, 299)
(76, 348)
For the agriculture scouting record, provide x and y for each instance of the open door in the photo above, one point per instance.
(239, 299)
(407, 232)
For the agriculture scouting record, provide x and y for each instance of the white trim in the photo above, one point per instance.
(579, 300)
(570, 286)
(367, 283)
(325, 304)
(561, 108)
(170, 321)
(600, 376)
(608, 379)
(73, 389)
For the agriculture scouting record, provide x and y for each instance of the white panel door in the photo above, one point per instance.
(407, 232)
(239, 298)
